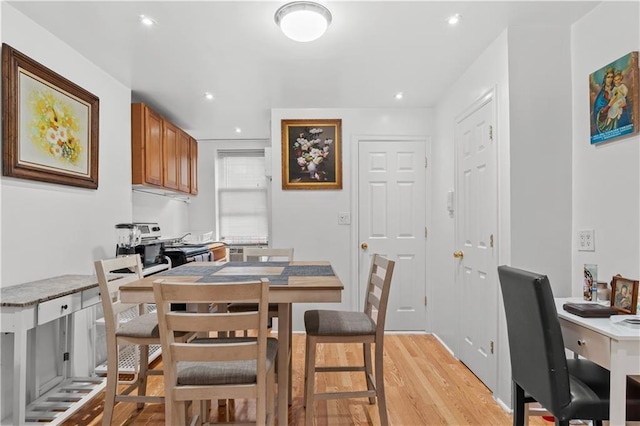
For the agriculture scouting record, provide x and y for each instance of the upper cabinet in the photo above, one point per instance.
(163, 155)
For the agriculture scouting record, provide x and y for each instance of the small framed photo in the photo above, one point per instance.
(311, 154)
(49, 124)
(624, 295)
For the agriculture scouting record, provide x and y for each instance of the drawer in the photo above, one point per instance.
(59, 307)
(586, 343)
(90, 297)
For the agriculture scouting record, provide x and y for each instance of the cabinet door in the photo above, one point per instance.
(170, 151)
(146, 146)
(184, 165)
(153, 148)
(193, 154)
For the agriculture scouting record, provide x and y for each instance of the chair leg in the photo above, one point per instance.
(271, 400)
(518, 405)
(368, 369)
(142, 374)
(178, 413)
(310, 372)
(112, 384)
(382, 401)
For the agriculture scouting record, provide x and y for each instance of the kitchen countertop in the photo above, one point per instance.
(32, 293)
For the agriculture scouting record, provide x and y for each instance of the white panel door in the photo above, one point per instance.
(476, 224)
(391, 209)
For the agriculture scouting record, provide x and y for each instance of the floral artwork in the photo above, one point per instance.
(311, 154)
(50, 125)
(54, 127)
(614, 99)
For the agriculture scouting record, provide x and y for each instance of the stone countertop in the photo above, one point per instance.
(35, 292)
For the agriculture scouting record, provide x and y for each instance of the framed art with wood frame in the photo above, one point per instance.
(311, 154)
(49, 124)
(624, 295)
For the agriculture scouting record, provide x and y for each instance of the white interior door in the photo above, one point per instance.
(391, 222)
(476, 224)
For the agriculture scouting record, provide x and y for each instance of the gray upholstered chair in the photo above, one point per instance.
(140, 328)
(568, 389)
(366, 327)
(206, 369)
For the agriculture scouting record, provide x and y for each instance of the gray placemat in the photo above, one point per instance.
(308, 270)
(193, 270)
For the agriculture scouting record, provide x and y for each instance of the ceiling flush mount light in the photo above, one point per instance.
(303, 20)
(147, 20)
(454, 19)
(208, 96)
(399, 95)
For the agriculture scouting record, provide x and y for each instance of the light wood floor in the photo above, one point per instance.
(425, 385)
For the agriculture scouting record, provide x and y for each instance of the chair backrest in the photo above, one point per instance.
(256, 254)
(110, 283)
(211, 350)
(538, 360)
(378, 286)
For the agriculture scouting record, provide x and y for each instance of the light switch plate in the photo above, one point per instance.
(344, 218)
(586, 240)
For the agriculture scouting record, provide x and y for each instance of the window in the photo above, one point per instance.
(242, 197)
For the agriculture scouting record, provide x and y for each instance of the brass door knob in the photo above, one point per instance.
(364, 246)
(458, 254)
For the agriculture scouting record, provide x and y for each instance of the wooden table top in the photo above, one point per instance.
(298, 281)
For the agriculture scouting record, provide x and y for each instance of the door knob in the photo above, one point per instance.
(458, 254)
(364, 246)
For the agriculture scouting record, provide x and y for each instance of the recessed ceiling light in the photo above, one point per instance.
(454, 19)
(208, 95)
(238, 130)
(147, 20)
(399, 95)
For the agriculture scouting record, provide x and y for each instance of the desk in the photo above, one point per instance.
(614, 347)
(291, 282)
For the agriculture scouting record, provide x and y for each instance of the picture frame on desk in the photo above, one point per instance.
(624, 295)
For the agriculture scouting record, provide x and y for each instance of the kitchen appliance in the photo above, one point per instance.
(184, 253)
(142, 238)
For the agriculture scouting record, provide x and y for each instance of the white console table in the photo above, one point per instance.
(24, 307)
(613, 346)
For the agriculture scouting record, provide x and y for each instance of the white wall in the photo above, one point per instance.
(48, 229)
(308, 220)
(172, 214)
(606, 177)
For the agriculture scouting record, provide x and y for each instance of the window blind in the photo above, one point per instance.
(242, 196)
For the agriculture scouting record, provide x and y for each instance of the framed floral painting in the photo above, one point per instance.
(49, 124)
(311, 154)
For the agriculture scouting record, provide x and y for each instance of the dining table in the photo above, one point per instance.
(289, 282)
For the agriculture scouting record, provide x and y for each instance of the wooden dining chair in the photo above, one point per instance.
(256, 254)
(126, 324)
(366, 327)
(213, 368)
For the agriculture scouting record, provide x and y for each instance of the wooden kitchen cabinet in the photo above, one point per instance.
(184, 162)
(193, 154)
(163, 155)
(146, 146)
(170, 153)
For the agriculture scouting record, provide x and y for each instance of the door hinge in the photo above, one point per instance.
(426, 232)
(491, 240)
(65, 356)
(426, 162)
(425, 301)
(490, 132)
(491, 346)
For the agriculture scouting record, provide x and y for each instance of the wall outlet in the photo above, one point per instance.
(344, 218)
(586, 240)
